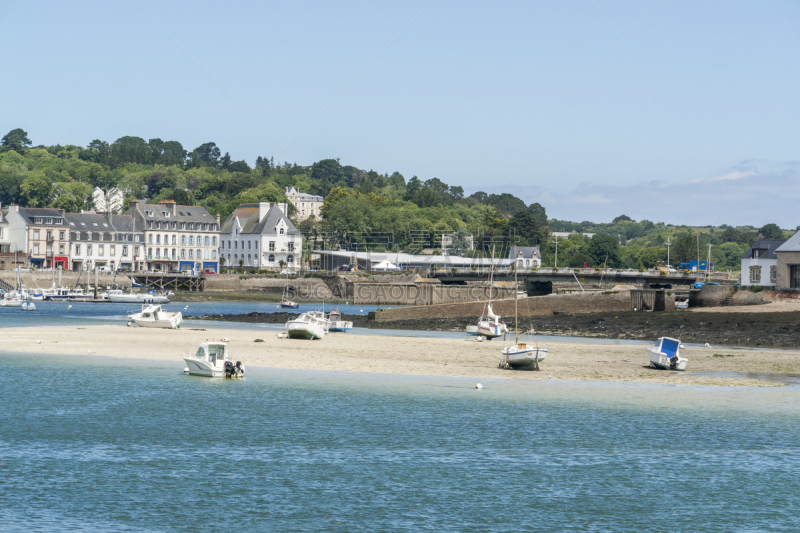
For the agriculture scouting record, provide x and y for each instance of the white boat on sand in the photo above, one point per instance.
(10, 300)
(337, 324)
(310, 325)
(491, 325)
(211, 361)
(665, 354)
(521, 355)
(152, 316)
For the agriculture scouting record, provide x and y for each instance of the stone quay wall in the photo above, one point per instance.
(532, 306)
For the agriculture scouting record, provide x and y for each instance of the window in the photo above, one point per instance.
(100, 250)
(255, 245)
(191, 254)
(61, 235)
(183, 254)
(271, 246)
(213, 254)
(206, 241)
(183, 225)
(199, 254)
(755, 274)
(158, 253)
(174, 253)
(36, 234)
(36, 248)
(174, 239)
(136, 251)
(112, 250)
(773, 274)
(88, 250)
(291, 246)
(281, 231)
(150, 239)
(183, 239)
(61, 249)
(756, 254)
(248, 259)
(290, 259)
(213, 241)
(124, 251)
(49, 235)
(191, 240)
(77, 249)
(158, 239)
(249, 245)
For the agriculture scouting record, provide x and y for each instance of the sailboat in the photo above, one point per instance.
(14, 299)
(491, 325)
(521, 355)
(286, 303)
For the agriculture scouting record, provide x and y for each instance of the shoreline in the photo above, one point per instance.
(419, 356)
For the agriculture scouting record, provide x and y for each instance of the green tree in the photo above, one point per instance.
(16, 139)
(36, 190)
(129, 150)
(602, 248)
(771, 231)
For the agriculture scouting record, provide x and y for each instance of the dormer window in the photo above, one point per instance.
(281, 231)
(165, 213)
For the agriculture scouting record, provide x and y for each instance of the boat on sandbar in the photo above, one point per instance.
(665, 354)
(337, 324)
(149, 297)
(211, 361)
(152, 316)
(310, 325)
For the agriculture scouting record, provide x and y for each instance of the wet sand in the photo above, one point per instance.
(401, 355)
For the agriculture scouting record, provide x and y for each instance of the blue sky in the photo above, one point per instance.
(672, 111)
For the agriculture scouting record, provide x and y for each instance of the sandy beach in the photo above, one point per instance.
(401, 355)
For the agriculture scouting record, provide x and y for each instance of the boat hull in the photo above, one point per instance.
(521, 358)
(341, 325)
(159, 324)
(10, 303)
(491, 331)
(290, 306)
(201, 368)
(662, 361)
(135, 299)
(304, 331)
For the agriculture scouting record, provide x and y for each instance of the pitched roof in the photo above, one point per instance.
(528, 252)
(791, 245)
(766, 248)
(183, 213)
(247, 214)
(29, 213)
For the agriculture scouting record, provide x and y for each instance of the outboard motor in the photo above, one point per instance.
(673, 362)
(240, 367)
(229, 369)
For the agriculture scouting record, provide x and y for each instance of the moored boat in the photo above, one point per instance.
(28, 306)
(152, 316)
(491, 325)
(665, 354)
(523, 355)
(149, 297)
(337, 324)
(311, 325)
(211, 361)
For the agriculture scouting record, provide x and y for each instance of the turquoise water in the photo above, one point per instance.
(94, 444)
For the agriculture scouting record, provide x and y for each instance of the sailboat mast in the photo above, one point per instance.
(516, 298)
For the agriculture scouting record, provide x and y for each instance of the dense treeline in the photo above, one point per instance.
(363, 209)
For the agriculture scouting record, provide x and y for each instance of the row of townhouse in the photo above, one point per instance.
(166, 236)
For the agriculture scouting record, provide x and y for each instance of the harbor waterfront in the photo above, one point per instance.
(102, 444)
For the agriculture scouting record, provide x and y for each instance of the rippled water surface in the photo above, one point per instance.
(94, 444)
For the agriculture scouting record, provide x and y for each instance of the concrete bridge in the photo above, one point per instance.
(539, 282)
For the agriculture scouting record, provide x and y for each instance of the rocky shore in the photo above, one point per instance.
(762, 330)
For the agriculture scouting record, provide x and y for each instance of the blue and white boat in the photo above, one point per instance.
(665, 354)
(337, 324)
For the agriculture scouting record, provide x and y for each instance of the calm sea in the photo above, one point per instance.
(94, 444)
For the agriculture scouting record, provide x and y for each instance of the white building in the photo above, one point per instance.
(178, 238)
(307, 205)
(760, 263)
(114, 198)
(527, 257)
(41, 232)
(261, 236)
(101, 241)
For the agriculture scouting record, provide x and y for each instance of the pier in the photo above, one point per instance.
(172, 281)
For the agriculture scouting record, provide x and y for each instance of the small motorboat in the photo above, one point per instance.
(152, 316)
(28, 306)
(472, 330)
(665, 354)
(311, 325)
(337, 324)
(149, 297)
(211, 361)
(288, 304)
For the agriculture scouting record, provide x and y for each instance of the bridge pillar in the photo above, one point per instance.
(538, 288)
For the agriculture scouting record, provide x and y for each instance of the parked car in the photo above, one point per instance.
(209, 272)
(286, 272)
(345, 268)
(22, 269)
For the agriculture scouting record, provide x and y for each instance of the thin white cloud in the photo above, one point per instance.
(733, 176)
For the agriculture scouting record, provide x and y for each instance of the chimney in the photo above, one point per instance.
(263, 209)
(283, 208)
(218, 224)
